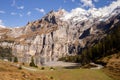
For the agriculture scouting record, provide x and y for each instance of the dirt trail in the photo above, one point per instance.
(27, 68)
(98, 66)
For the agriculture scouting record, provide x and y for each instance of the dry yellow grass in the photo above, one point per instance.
(10, 72)
(112, 65)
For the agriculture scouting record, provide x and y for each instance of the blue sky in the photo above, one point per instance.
(14, 13)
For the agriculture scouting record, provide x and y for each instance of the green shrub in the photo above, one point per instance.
(51, 68)
(20, 67)
(42, 68)
(51, 77)
(23, 63)
(15, 59)
(32, 64)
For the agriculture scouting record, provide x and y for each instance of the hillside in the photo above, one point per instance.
(112, 65)
(109, 45)
(105, 52)
(10, 72)
(60, 33)
(60, 40)
(52, 37)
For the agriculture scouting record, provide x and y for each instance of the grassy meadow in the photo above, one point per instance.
(10, 72)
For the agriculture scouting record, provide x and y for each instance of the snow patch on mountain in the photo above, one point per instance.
(80, 14)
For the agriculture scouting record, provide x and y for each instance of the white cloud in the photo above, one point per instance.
(64, 1)
(2, 24)
(13, 13)
(28, 13)
(108, 9)
(41, 10)
(13, 3)
(21, 15)
(73, 0)
(2, 12)
(96, 0)
(87, 3)
(20, 7)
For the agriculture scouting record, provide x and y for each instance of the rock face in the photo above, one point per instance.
(55, 36)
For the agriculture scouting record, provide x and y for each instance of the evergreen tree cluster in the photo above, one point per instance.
(15, 59)
(107, 46)
(6, 52)
(32, 64)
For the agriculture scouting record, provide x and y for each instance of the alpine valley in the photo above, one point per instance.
(59, 34)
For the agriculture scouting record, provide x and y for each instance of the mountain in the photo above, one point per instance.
(59, 33)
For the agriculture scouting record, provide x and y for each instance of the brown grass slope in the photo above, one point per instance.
(112, 65)
(10, 72)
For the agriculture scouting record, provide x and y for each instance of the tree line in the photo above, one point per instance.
(107, 46)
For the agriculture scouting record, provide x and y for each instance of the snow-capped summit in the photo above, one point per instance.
(80, 14)
(116, 11)
(77, 14)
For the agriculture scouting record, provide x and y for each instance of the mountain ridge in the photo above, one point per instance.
(53, 37)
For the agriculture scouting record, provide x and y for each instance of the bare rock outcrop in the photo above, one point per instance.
(52, 37)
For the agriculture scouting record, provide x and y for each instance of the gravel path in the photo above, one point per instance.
(59, 64)
(98, 66)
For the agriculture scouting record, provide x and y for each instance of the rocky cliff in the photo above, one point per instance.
(57, 34)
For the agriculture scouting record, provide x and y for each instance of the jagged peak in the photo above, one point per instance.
(80, 14)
